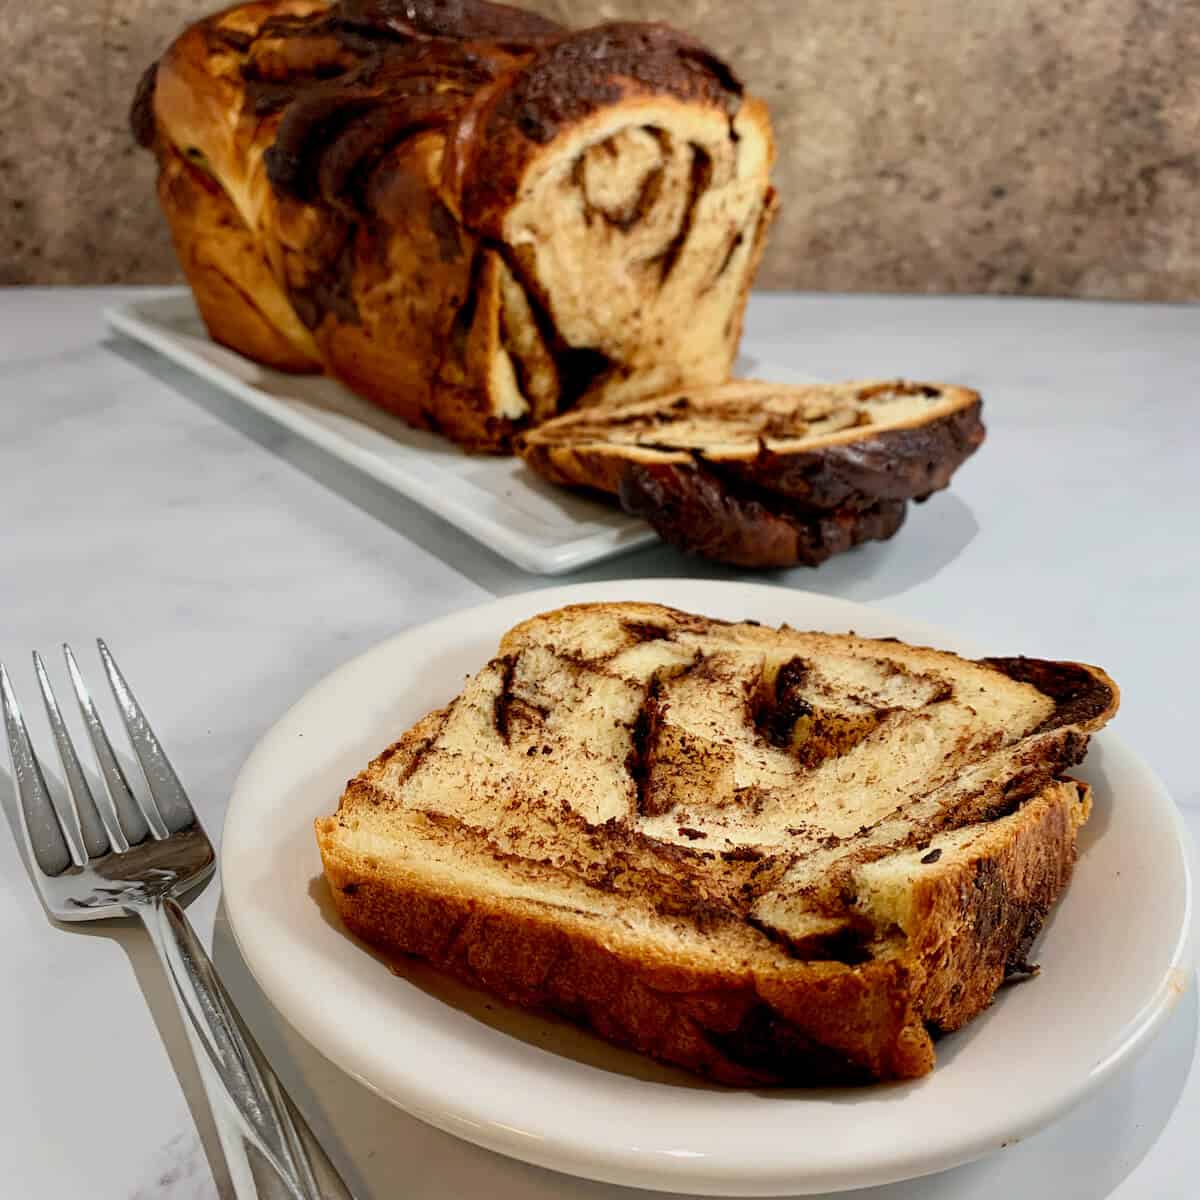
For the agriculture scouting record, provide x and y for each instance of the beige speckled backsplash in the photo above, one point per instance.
(1037, 146)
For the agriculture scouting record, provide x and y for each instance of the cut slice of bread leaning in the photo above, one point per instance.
(766, 475)
(765, 855)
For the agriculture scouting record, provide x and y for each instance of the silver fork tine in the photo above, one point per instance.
(45, 838)
(269, 1146)
(131, 822)
(173, 804)
(82, 817)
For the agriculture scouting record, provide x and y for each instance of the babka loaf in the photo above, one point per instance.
(466, 213)
(765, 855)
(767, 475)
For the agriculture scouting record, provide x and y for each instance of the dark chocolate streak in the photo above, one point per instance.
(698, 181)
(775, 714)
(332, 289)
(764, 1041)
(504, 697)
(641, 744)
(734, 243)
(331, 131)
(693, 509)
(579, 73)
(896, 464)
(141, 111)
(848, 945)
(578, 367)
(646, 631)
(462, 19)
(1079, 696)
(637, 212)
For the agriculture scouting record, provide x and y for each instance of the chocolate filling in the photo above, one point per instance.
(693, 509)
(1078, 695)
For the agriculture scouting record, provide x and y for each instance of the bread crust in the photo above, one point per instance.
(804, 1023)
(701, 514)
(238, 297)
(907, 459)
(904, 463)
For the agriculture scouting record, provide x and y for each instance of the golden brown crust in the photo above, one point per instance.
(975, 922)
(388, 162)
(231, 280)
(809, 1023)
(573, 466)
(851, 1023)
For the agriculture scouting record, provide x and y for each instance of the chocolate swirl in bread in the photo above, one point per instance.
(466, 213)
(767, 855)
(767, 475)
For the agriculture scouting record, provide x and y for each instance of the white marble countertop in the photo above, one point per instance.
(230, 567)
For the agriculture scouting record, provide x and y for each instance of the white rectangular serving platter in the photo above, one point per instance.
(539, 527)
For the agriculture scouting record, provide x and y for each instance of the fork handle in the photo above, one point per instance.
(270, 1150)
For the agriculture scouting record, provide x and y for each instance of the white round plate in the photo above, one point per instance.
(1115, 958)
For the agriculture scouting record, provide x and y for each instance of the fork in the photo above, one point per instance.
(124, 853)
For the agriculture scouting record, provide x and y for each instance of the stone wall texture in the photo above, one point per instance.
(1028, 146)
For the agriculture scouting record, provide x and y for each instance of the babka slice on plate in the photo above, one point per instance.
(765, 855)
